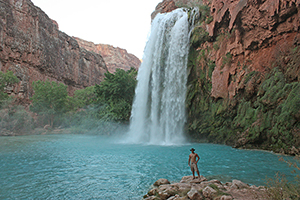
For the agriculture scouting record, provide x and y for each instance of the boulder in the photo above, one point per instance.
(194, 194)
(237, 184)
(225, 197)
(208, 192)
(161, 181)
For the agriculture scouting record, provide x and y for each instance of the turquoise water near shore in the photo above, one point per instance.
(98, 167)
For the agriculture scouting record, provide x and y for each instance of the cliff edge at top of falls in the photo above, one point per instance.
(33, 47)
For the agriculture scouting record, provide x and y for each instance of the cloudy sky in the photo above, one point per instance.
(121, 23)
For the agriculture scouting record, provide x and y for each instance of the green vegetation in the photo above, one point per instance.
(13, 118)
(265, 110)
(266, 117)
(280, 188)
(199, 36)
(49, 99)
(6, 79)
(116, 92)
(95, 109)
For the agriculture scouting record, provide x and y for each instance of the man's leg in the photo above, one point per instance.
(198, 174)
(197, 171)
(193, 170)
(193, 173)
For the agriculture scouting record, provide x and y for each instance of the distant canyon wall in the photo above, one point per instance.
(33, 47)
(114, 57)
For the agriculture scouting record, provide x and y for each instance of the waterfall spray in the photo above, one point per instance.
(158, 111)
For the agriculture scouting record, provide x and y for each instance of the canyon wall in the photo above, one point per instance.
(244, 73)
(32, 46)
(114, 57)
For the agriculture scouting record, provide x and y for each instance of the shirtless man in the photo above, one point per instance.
(193, 162)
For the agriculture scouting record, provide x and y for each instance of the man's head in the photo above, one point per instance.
(192, 149)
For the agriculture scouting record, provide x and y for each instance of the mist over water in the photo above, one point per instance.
(158, 113)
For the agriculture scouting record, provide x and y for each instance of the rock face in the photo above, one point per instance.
(244, 79)
(114, 57)
(169, 5)
(34, 49)
(260, 30)
(197, 189)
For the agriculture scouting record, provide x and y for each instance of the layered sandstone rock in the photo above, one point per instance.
(34, 49)
(259, 32)
(114, 57)
(255, 32)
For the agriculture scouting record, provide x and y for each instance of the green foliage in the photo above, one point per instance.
(199, 36)
(226, 59)
(280, 188)
(85, 97)
(6, 79)
(116, 92)
(15, 120)
(250, 75)
(205, 14)
(267, 117)
(49, 99)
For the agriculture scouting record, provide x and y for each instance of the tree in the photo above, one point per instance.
(116, 92)
(81, 99)
(49, 99)
(85, 97)
(6, 79)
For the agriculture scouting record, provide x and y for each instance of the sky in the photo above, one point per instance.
(120, 23)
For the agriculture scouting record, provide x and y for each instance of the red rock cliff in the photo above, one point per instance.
(114, 57)
(34, 49)
(254, 33)
(244, 78)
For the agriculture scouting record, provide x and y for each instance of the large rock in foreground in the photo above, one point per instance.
(201, 188)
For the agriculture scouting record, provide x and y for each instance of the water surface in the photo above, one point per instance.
(96, 167)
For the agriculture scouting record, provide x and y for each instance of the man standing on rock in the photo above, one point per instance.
(193, 162)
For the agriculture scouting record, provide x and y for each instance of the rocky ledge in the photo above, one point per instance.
(201, 188)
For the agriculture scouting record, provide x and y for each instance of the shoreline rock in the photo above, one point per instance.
(201, 188)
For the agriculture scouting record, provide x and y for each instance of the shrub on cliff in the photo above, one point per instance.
(6, 79)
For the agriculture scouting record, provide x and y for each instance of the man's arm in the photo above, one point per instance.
(189, 160)
(198, 158)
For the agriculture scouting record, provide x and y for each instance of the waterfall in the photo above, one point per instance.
(158, 112)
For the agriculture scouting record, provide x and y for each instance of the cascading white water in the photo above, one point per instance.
(158, 111)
